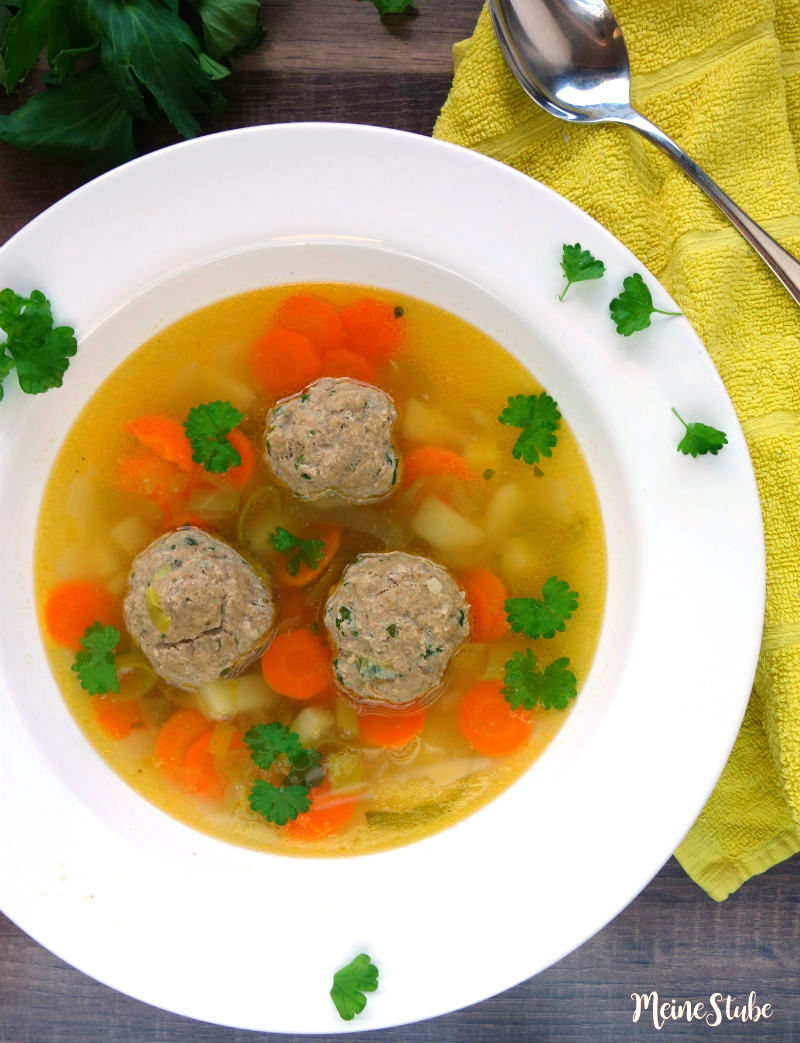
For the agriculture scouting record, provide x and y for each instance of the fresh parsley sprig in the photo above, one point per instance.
(631, 311)
(207, 428)
(525, 685)
(700, 439)
(283, 801)
(350, 983)
(95, 664)
(579, 266)
(539, 418)
(536, 617)
(34, 346)
(309, 552)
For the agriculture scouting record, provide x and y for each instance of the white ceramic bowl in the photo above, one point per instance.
(177, 919)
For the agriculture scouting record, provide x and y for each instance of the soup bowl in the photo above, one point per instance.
(248, 939)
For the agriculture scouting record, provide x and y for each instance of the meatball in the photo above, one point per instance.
(196, 608)
(396, 620)
(334, 440)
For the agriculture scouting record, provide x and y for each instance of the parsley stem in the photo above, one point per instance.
(569, 283)
(677, 414)
(662, 312)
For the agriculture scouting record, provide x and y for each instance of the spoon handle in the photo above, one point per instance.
(782, 263)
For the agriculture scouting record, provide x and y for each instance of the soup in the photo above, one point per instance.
(390, 618)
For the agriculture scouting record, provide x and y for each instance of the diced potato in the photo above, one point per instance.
(217, 385)
(504, 511)
(223, 699)
(82, 498)
(444, 528)
(253, 693)
(469, 662)
(345, 768)
(498, 656)
(425, 425)
(312, 723)
(482, 456)
(346, 718)
(136, 676)
(103, 560)
(132, 534)
(554, 500)
(214, 501)
(117, 583)
(521, 557)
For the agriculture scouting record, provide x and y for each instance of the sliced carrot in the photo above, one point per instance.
(284, 361)
(374, 329)
(380, 729)
(71, 607)
(344, 363)
(242, 474)
(487, 603)
(331, 537)
(199, 772)
(154, 478)
(181, 731)
(165, 437)
(432, 459)
(297, 664)
(117, 717)
(330, 810)
(489, 724)
(312, 317)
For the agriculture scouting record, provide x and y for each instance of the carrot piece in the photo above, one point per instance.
(241, 475)
(331, 537)
(380, 729)
(199, 772)
(71, 607)
(154, 478)
(487, 600)
(297, 664)
(295, 609)
(373, 329)
(344, 363)
(330, 810)
(284, 361)
(312, 317)
(489, 724)
(432, 459)
(172, 744)
(117, 717)
(164, 437)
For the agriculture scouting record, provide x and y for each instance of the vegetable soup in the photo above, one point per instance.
(320, 569)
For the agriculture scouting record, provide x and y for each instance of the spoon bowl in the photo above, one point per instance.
(570, 57)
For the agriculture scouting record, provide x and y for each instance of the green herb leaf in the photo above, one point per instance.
(700, 438)
(538, 416)
(631, 311)
(542, 618)
(350, 983)
(94, 664)
(207, 428)
(38, 350)
(524, 684)
(278, 804)
(311, 552)
(578, 266)
(393, 6)
(229, 25)
(25, 37)
(267, 742)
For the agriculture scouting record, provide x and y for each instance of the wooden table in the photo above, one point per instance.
(335, 60)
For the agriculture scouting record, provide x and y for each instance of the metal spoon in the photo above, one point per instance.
(570, 57)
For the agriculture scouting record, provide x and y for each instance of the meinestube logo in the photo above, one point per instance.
(718, 1008)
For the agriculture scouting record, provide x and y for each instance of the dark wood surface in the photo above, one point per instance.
(336, 60)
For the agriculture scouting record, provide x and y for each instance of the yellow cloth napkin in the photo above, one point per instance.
(723, 79)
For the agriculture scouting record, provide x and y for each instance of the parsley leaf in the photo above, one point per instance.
(393, 6)
(229, 25)
(631, 311)
(350, 983)
(282, 801)
(536, 618)
(700, 438)
(579, 265)
(310, 552)
(524, 684)
(278, 804)
(538, 416)
(34, 347)
(207, 428)
(94, 664)
(267, 742)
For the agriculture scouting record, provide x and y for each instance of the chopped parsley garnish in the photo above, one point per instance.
(488, 474)
(631, 311)
(350, 983)
(207, 428)
(308, 552)
(399, 311)
(430, 650)
(539, 418)
(391, 630)
(542, 618)
(285, 799)
(578, 266)
(38, 350)
(524, 684)
(700, 438)
(95, 664)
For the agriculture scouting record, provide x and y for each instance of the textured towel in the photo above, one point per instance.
(722, 77)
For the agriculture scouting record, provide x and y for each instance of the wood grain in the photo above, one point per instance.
(336, 60)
